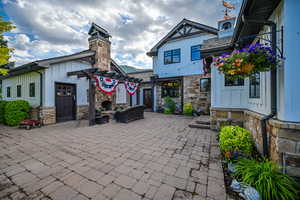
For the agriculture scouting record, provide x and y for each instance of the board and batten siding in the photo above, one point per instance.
(24, 80)
(288, 106)
(57, 73)
(186, 66)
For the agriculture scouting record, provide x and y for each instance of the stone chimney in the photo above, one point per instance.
(99, 42)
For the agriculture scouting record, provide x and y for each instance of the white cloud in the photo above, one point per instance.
(50, 28)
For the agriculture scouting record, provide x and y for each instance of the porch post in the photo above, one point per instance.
(91, 102)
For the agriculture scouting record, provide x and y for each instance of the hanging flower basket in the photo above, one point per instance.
(247, 61)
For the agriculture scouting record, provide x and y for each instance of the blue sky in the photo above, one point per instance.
(48, 28)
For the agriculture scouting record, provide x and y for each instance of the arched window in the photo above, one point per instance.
(226, 26)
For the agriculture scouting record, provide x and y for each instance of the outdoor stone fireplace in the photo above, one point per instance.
(106, 105)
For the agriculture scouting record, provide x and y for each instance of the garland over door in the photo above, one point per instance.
(65, 102)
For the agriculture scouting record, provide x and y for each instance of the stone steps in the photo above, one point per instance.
(201, 126)
(202, 122)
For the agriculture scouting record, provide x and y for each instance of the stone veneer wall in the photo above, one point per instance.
(82, 112)
(193, 95)
(48, 114)
(283, 137)
(102, 57)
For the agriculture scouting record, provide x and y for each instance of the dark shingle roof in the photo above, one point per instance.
(216, 42)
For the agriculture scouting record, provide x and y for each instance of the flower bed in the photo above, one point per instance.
(248, 175)
(247, 61)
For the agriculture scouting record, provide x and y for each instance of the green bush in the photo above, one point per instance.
(2, 109)
(16, 111)
(235, 138)
(267, 179)
(170, 104)
(188, 109)
(168, 111)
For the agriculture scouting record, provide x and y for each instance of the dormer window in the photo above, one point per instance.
(226, 26)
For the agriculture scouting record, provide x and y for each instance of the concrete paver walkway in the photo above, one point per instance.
(157, 158)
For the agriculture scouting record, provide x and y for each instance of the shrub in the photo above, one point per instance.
(188, 109)
(235, 138)
(2, 109)
(267, 179)
(16, 111)
(170, 104)
(168, 111)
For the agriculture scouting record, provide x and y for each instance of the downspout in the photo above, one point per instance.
(41, 92)
(273, 113)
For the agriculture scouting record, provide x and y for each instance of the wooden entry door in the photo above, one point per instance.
(147, 96)
(65, 102)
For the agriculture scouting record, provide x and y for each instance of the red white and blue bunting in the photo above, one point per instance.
(131, 87)
(106, 85)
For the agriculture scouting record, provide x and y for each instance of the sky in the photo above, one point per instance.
(49, 28)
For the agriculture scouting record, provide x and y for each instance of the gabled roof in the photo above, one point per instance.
(42, 64)
(97, 28)
(184, 28)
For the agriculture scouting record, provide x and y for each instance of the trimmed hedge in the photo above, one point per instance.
(2, 111)
(235, 138)
(16, 111)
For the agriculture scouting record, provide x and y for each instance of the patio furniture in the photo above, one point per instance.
(100, 118)
(130, 114)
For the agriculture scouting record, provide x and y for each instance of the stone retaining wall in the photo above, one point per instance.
(223, 116)
(283, 137)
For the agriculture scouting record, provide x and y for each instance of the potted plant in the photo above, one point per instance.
(245, 62)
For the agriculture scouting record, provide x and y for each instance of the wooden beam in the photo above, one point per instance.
(92, 111)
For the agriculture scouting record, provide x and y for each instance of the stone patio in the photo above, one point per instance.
(157, 158)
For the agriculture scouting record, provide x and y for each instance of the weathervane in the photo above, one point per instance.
(228, 7)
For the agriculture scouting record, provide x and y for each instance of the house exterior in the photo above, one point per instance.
(56, 97)
(178, 67)
(267, 104)
(144, 95)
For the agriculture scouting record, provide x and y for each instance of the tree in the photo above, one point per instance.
(5, 26)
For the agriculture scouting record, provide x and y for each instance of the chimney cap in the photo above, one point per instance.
(96, 29)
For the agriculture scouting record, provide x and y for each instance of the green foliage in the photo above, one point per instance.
(188, 109)
(4, 50)
(267, 179)
(170, 104)
(16, 111)
(235, 138)
(168, 111)
(2, 109)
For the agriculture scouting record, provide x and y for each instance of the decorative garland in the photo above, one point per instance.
(106, 85)
(131, 87)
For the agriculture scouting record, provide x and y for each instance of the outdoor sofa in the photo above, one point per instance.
(130, 114)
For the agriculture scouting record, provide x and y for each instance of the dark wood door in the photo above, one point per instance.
(65, 102)
(147, 96)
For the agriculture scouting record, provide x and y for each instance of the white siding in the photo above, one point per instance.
(58, 73)
(186, 66)
(227, 96)
(24, 80)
